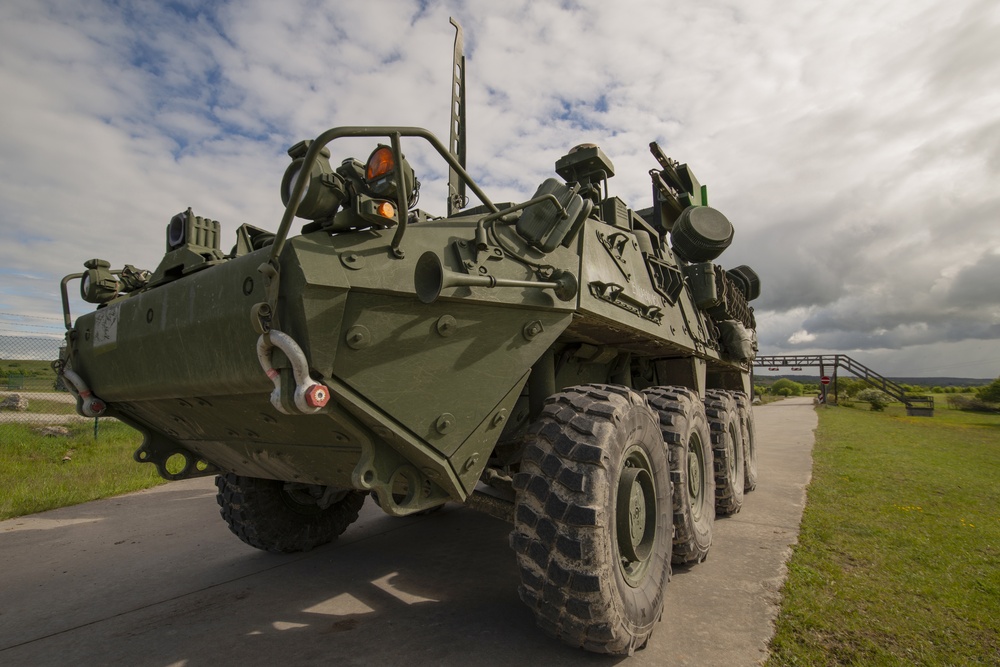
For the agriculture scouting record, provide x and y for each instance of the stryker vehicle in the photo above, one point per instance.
(566, 363)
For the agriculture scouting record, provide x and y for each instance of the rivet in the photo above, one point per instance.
(352, 260)
(470, 462)
(358, 337)
(268, 418)
(532, 329)
(500, 417)
(446, 325)
(444, 423)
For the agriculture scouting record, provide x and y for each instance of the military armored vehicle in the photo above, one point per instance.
(567, 363)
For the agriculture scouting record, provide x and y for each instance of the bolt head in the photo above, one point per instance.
(317, 396)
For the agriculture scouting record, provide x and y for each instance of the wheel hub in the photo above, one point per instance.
(731, 451)
(694, 473)
(695, 482)
(635, 517)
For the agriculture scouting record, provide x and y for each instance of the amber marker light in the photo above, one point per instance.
(380, 163)
(386, 210)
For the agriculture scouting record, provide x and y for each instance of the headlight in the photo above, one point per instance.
(324, 189)
(98, 285)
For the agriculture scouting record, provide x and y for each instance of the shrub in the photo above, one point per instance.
(990, 393)
(970, 404)
(848, 387)
(793, 388)
(875, 398)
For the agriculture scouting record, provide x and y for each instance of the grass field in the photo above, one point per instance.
(26, 375)
(898, 561)
(39, 472)
(53, 403)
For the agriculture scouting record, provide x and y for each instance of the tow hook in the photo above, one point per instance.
(92, 406)
(310, 396)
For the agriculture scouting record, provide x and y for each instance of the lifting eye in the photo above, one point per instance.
(380, 163)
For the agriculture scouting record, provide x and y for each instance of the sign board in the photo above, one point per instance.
(825, 379)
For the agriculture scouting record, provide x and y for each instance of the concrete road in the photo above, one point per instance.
(156, 578)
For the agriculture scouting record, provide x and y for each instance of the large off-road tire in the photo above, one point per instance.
(727, 447)
(266, 515)
(684, 427)
(592, 519)
(749, 433)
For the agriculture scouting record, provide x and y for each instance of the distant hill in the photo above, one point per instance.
(805, 378)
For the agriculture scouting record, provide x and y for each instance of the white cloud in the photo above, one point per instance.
(855, 145)
(801, 336)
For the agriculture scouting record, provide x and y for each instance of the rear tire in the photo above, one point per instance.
(749, 433)
(592, 525)
(265, 514)
(727, 446)
(684, 427)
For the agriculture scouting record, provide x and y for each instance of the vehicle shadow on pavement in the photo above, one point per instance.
(437, 589)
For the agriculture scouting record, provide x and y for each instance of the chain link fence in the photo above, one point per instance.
(30, 391)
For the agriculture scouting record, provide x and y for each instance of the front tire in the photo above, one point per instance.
(592, 520)
(685, 431)
(274, 516)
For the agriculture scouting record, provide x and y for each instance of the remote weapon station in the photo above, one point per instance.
(571, 365)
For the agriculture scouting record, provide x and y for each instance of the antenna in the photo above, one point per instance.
(456, 186)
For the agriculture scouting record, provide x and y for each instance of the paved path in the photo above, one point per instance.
(156, 578)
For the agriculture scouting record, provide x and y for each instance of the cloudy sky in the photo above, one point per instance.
(855, 145)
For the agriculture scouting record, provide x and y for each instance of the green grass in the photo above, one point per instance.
(43, 406)
(898, 561)
(34, 476)
(26, 375)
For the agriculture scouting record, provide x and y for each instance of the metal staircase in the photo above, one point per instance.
(920, 406)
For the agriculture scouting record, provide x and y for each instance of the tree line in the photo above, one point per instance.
(984, 398)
